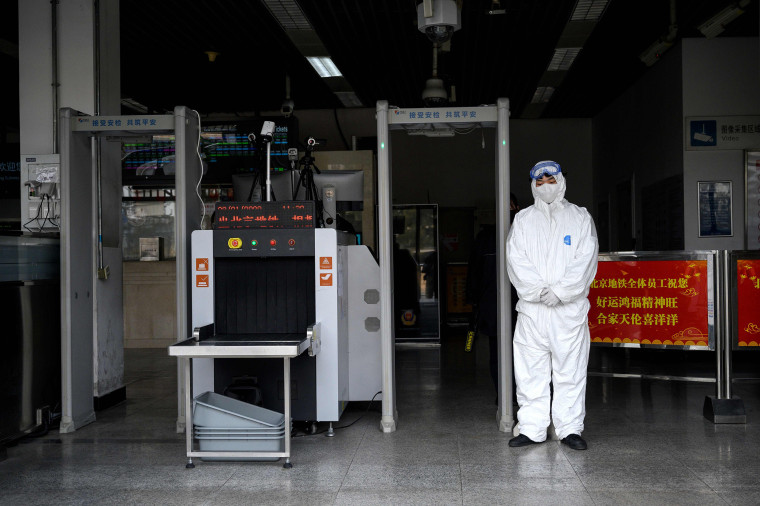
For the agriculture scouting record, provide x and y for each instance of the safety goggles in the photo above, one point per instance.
(545, 168)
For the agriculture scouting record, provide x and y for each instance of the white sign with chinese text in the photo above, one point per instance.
(137, 122)
(423, 115)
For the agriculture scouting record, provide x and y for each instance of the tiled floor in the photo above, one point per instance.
(649, 444)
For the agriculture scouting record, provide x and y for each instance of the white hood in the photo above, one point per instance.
(561, 186)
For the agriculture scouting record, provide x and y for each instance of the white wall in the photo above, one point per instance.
(721, 78)
(76, 90)
(638, 136)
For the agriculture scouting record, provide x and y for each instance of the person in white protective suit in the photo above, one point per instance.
(552, 252)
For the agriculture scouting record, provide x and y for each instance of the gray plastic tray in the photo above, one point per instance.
(214, 410)
(242, 435)
(276, 445)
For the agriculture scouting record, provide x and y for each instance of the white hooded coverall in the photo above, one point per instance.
(552, 245)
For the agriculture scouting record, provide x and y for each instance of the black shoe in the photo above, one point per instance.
(575, 442)
(521, 440)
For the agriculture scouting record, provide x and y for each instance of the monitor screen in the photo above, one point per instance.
(349, 187)
(225, 148)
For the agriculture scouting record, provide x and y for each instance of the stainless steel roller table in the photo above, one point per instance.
(285, 346)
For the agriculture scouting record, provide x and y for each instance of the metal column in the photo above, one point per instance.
(384, 248)
(504, 415)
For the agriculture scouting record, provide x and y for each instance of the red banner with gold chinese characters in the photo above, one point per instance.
(661, 302)
(748, 302)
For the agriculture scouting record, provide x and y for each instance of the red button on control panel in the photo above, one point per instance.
(291, 242)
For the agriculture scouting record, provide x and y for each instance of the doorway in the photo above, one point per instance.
(415, 273)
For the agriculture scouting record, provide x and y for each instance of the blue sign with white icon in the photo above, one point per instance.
(703, 133)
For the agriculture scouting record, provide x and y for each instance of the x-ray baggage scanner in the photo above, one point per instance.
(302, 302)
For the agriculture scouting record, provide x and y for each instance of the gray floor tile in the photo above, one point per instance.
(413, 497)
(653, 477)
(526, 497)
(722, 474)
(53, 497)
(646, 497)
(442, 477)
(407, 451)
(233, 497)
(648, 444)
(744, 495)
(158, 496)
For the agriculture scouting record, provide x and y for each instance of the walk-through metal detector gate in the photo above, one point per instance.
(79, 134)
(437, 119)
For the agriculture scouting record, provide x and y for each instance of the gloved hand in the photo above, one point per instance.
(548, 297)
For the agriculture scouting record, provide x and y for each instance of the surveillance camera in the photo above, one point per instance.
(267, 131)
(287, 108)
(434, 94)
(441, 24)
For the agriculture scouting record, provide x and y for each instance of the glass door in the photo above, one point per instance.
(415, 273)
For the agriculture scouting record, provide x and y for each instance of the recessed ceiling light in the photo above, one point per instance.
(563, 58)
(542, 95)
(588, 10)
(324, 66)
(289, 14)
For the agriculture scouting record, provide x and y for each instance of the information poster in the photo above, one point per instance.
(715, 208)
(753, 199)
(650, 302)
(748, 302)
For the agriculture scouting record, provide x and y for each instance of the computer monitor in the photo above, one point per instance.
(349, 187)
(281, 186)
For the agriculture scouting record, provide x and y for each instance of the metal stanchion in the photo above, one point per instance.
(723, 408)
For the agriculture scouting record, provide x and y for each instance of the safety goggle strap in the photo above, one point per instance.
(548, 168)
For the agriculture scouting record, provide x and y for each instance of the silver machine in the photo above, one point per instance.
(284, 316)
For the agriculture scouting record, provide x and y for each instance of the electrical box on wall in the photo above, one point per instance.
(40, 181)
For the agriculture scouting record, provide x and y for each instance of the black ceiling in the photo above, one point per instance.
(379, 49)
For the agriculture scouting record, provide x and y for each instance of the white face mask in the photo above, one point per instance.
(548, 192)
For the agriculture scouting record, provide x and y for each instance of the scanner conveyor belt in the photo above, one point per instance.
(242, 345)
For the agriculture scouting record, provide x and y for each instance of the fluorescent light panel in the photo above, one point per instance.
(563, 58)
(542, 95)
(289, 14)
(324, 66)
(588, 10)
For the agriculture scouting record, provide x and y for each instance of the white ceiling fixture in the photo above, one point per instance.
(438, 19)
(717, 24)
(324, 66)
(563, 58)
(542, 95)
(288, 13)
(588, 10)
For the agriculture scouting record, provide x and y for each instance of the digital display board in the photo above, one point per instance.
(274, 214)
